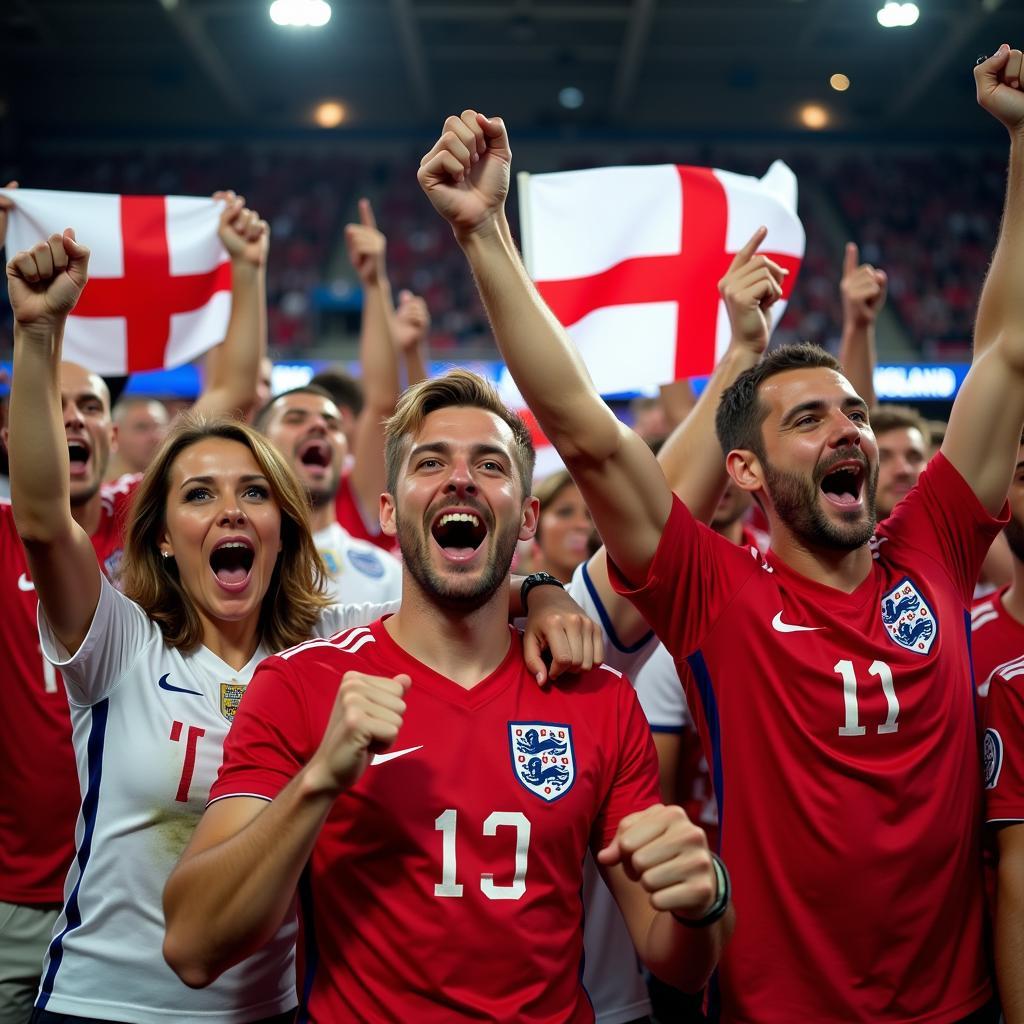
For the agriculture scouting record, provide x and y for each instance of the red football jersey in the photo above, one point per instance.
(446, 884)
(39, 799)
(840, 729)
(346, 509)
(997, 638)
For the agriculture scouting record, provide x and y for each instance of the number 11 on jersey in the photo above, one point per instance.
(852, 726)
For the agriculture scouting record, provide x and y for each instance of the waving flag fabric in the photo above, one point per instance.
(629, 259)
(159, 291)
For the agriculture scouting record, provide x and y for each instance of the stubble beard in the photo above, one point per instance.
(1014, 531)
(459, 591)
(796, 502)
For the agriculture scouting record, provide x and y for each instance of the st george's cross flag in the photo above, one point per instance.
(629, 259)
(159, 289)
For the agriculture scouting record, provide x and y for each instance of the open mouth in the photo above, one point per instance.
(842, 485)
(459, 534)
(78, 454)
(231, 561)
(316, 453)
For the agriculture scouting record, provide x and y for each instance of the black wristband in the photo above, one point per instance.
(536, 579)
(717, 909)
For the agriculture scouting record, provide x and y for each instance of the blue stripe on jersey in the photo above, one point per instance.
(72, 911)
(672, 730)
(606, 622)
(702, 677)
(970, 666)
(310, 949)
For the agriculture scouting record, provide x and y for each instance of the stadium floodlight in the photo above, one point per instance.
(300, 13)
(897, 15)
(571, 98)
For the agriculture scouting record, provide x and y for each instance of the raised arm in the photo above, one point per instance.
(232, 369)
(862, 291)
(985, 425)
(412, 326)
(44, 284)
(377, 357)
(691, 458)
(466, 177)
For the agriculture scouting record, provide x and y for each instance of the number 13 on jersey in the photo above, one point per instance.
(446, 823)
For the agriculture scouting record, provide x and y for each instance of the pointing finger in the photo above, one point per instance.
(750, 248)
(851, 259)
(366, 216)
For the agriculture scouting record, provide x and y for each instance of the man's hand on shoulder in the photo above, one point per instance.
(556, 624)
(466, 173)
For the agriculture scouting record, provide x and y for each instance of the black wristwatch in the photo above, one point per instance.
(717, 909)
(536, 579)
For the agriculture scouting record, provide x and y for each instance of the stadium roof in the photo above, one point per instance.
(137, 68)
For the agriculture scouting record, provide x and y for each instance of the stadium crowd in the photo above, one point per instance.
(317, 707)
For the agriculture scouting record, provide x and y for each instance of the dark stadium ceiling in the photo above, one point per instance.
(75, 69)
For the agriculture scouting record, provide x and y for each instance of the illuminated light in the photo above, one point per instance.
(300, 13)
(571, 98)
(814, 117)
(330, 114)
(897, 15)
(839, 82)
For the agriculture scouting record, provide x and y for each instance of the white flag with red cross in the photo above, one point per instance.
(629, 259)
(159, 290)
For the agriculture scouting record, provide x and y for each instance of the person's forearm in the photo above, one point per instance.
(224, 902)
(37, 444)
(1010, 942)
(377, 356)
(691, 458)
(685, 957)
(541, 358)
(1001, 306)
(234, 372)
(857, 357)
(415, 365)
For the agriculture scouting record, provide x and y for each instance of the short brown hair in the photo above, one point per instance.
(899, 417)
(456, 387)
(295, 597)
(740, 412)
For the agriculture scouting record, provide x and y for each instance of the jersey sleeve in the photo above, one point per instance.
(634, 786)
(692, 578)
(1004, 750)
(119, 631)
(627, 659)
(269, 740)
(336, 617)
(943, 518)
(660, 692)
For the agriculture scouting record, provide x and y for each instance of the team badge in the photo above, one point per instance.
(908, 619)
(542, 757)
(992, 753)
(230, 695)
(367, 563)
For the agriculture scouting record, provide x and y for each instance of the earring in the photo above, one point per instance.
(166, 555)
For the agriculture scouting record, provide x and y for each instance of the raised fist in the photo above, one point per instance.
(241, 231)
(466, 174)
(862, 289)
(998, 81)
(668, 855)
(751, 286)
(366, 246)
(412, 320)
(365, 720)
(44, 282)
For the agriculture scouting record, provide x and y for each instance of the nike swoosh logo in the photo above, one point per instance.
(785, 627)
(24, 583)
(392, 754)
(164, 685)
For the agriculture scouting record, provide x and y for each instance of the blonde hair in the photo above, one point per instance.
(295, 597)
(455, 388)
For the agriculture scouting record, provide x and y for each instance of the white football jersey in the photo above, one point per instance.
(148, 725)
(358, 571)
(611, 969)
